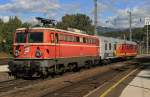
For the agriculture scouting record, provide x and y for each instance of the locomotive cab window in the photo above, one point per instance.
(20, 37)
(35, 37)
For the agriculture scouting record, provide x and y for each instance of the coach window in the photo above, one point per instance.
(109, 46)
(115, 46)
(105, 46)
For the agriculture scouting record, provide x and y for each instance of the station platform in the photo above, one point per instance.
(4, 68)
(139, 86)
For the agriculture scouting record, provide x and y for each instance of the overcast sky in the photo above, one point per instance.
(115, 12)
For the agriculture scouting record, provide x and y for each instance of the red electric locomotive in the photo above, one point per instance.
(46, 51)
(43, 51)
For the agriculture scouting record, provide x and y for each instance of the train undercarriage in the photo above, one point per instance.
(21, 68)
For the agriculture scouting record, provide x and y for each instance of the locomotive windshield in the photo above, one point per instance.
(35, 37)
(20, 37)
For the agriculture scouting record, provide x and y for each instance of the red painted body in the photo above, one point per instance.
(57, 44)
(43, 51)
(126, 50)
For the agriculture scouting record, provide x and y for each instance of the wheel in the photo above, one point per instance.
(44, 74)
(75, 69)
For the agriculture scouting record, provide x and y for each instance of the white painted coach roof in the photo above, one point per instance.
(54, 29)
(117, 40)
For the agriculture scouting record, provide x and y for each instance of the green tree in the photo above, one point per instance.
(78, 21)
(26, 25)
(8, 31)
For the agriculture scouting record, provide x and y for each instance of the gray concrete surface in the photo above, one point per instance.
(4, 68)
(139, 86)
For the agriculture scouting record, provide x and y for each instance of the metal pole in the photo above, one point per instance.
(124, 36)
(140, 48)
(147, 40)
(95, 16)
(130, 23)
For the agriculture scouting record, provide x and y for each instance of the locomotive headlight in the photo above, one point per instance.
(17, 53)
(38, 53)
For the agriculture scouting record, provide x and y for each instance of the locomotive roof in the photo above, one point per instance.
(66, 31)
(54, 29)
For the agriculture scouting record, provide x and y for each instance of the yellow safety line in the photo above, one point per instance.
(112, 87)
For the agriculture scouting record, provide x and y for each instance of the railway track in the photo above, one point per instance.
(4, 61)
(83, 87)
(15, 84)
(77, 89)
(9, 85)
